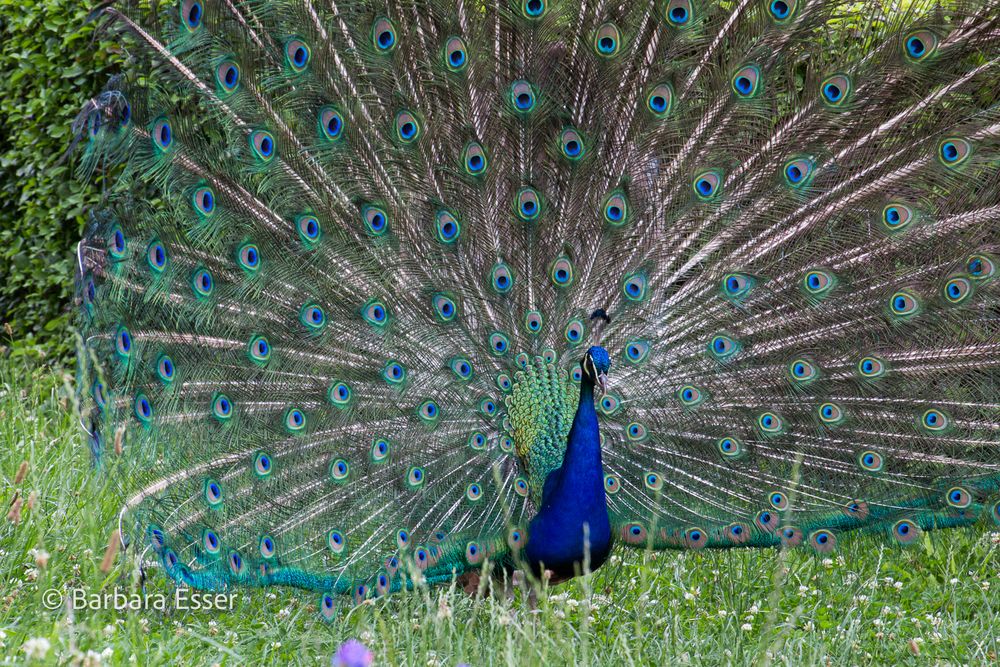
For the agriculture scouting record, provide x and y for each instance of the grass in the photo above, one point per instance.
(935, 603)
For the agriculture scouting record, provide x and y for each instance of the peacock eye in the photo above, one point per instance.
(331, 123)
(678, 13)
(415, 477)
(143, 409)
(770, 423)
(737, 285)
(313, 317)
(498, 343)
(781, 10)
(660, 100)
(380, 450)
(488, 407)
(262, 145)
(871, 461)
(903, 303)
(957, 290)
(831, 413)
(340, 394)
(634, 286)
(611, 484)
(533, 9)
(905, 531)
(461, 367)
(802, 371)
(818, 283)
(871, 367)
(747, 82)
(522, 96)
(456, 56)
(980, 267)
(428, 411)
(444, 307)
(954, 151)
(723, 347)
(934, 420)
(297, 55)
(574, 331)
(730, 447)
(561, 272)
(571, 144)
(616, 210)
(192, 13)
(394, 373)
(919, 45)
(162, 134)
(203, 201)
(202, 283)
(528, 204)
(222, 407)
(262, 463)
(375, 313)
(210, 541)
(959, 497)
(797, 172)
(227, 75)
(266, 546)
(636, 432)
(383, 35)
(212, 491)
(607, 40)
(502, 278)
(248, 257)
(156, 256)
(375, 218)
(165, 369)
(339, 470)
(690, 395)
(446, 226)
(407, 126)
(474, 158)
(533, 321)
(116, 243)
(896, 216)
(707, 184)
(636, 351)
(836, 90)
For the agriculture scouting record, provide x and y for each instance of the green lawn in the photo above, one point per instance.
(935, 603)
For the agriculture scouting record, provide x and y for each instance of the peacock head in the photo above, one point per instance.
(596, 364)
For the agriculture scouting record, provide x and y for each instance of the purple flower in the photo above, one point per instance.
(353, 653)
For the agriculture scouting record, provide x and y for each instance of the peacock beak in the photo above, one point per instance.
(602, 380)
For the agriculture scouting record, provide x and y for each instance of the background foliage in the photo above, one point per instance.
(51, 63)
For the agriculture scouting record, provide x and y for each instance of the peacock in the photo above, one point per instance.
(383, 292)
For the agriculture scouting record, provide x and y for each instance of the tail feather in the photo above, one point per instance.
(337, 296)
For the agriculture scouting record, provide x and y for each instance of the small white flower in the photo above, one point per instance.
(953, 581)
(746, 627)
(754, 608)
(688, 596)
(898, 585)
(36, 648)
(803, 589)
(827, 562)
(877, 622)
(722, 613)
(809, 626)
(275, 645)
(985, 585)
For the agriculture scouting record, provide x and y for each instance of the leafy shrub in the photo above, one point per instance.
(51, 64)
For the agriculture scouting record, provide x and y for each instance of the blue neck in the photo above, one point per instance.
(573, 496)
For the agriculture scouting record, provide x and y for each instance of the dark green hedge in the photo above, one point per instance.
(50, 64)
